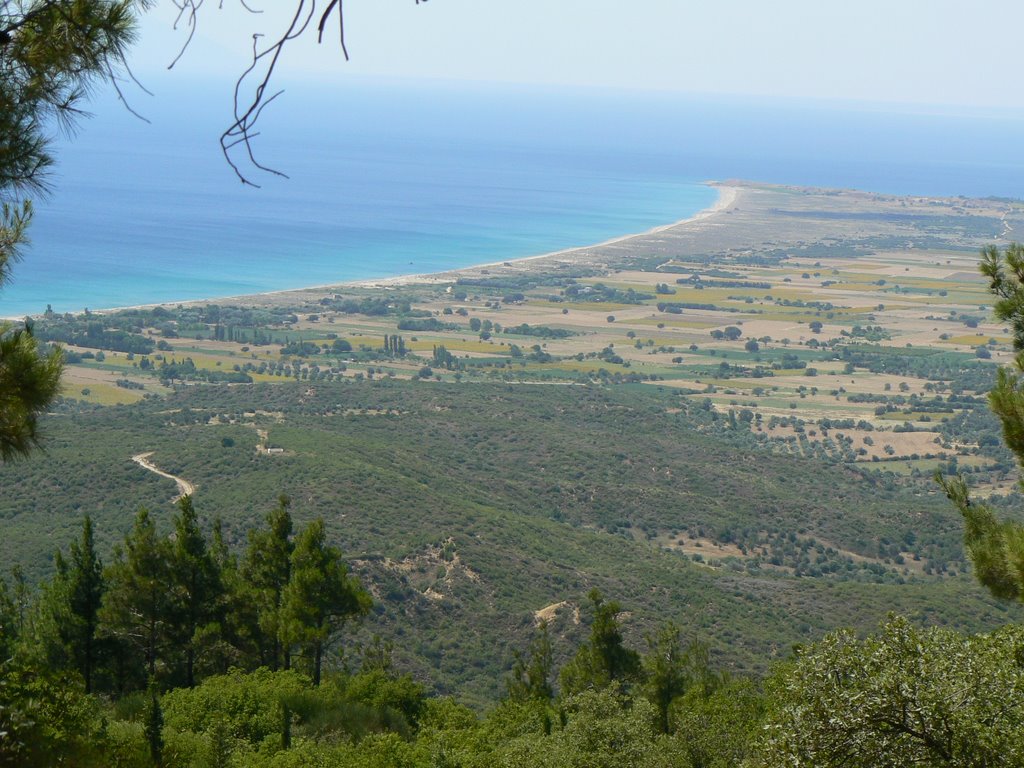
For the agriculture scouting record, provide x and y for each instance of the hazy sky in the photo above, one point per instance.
(912, 51)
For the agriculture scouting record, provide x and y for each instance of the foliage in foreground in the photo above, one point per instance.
(50, 54)
(996, 548)
(903, 696)
(177, 610)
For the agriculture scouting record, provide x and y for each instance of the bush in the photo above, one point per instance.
(866, 702)
(382, 691)
(248, 704)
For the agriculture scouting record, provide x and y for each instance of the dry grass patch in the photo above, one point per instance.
(100, 386)
(874, 443)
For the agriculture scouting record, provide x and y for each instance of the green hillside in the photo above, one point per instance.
(467, 508)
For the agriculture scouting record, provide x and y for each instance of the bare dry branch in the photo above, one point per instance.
(253, 85)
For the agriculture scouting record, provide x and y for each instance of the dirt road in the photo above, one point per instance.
(185, 488)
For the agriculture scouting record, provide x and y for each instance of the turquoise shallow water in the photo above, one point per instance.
(143, 214)
(390, 179)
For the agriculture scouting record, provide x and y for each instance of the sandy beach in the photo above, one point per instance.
(729, 194)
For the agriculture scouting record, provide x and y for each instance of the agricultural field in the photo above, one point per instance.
(838, 323)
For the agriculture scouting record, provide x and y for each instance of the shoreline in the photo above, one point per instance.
(728, 193)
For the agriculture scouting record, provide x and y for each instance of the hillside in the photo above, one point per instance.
(467, 508)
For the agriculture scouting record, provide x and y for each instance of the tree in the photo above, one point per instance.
(237, 637)
(901, 697)
(388, 694)
(84, 586)
(196, 587)
(320, 595)
(137, 606)
(253, 91)
(667, 676)
(732, 333)
(51, 51)
(603, 729)
(603, 659)
(531, 674)
(267, 570)
(8, 621)
(153, 724)
(45, 720)
(442, 358)
(996, 548)
(29, 383)
(248, 704)
(719, 728)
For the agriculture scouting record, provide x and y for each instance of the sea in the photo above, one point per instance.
(388, 177)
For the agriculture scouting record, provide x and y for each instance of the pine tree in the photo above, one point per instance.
(237, 637)
(219, 550)
(196, 587)
(50, 53)
(603, 659)
(153, 725)
(669, 670)
(137, 606)
(29, 381)
(320, 595)
(21, 595)
(996, 548)
(83, 588)
(267, 569)
(8, 622)
(531, 674)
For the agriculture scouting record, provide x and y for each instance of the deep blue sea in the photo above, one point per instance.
(391, 178)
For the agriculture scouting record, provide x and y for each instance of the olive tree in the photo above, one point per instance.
(903, 696)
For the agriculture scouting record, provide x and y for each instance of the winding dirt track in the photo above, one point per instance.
(185, 488)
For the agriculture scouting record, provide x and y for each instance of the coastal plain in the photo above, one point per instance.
(801, 273)
(732, 422)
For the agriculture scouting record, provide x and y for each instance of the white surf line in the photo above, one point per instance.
(185, 488)
(727, 198)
